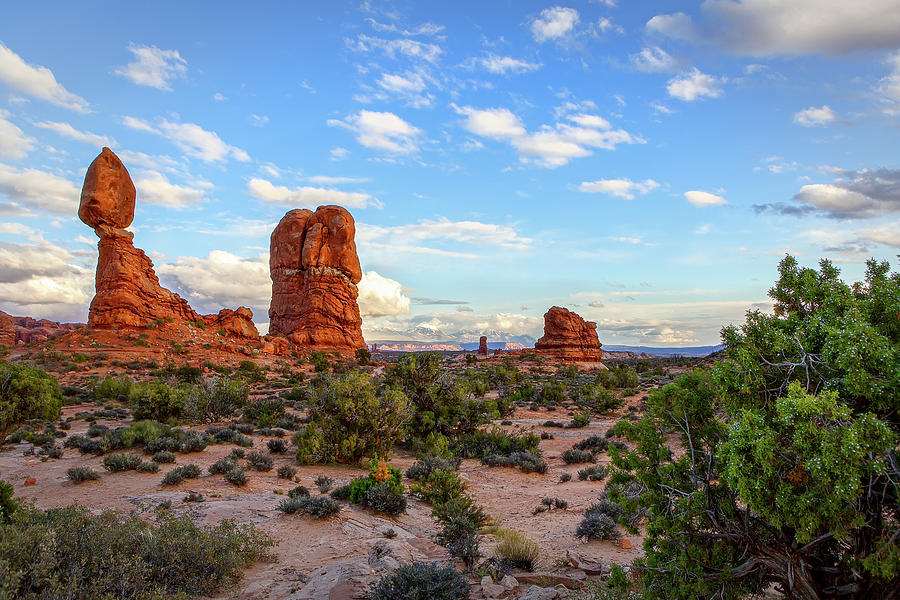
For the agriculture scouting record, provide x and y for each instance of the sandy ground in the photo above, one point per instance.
(306, 544)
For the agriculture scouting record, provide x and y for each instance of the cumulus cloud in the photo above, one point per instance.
(859, 194)
(504, 65)
(554, 23)
(653, 59)
(410, 49)
(14, 144)
(305, 196)
(800, 27)
(42, 279)
(887, 234)
(153, 67)
(191, 139)
(463, 232)
(155, 188)
(622, 188)
(694, 85)
(410, 87)
(812, 116)
(220, 280)
(32, 189)
(66, 130)
(572, 136)
(698, 198)
(381, 131)
(459, 326)
(37, 82)
(381, 297)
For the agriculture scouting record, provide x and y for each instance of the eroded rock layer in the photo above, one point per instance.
(128, 292)
(315, 269)
(569, 337)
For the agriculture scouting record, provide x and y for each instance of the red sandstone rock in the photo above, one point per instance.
(29, 330)
(315, 269)
(128, 293)
(7, 330)
(482, 346)
(569, 337)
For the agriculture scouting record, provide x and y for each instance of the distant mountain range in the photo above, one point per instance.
(449, 346)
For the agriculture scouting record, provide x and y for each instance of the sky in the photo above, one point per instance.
(645, 164)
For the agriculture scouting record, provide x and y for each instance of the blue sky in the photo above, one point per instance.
(644, 164)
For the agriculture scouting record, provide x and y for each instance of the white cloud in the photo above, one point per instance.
(455, 325)
(503, 65)
(381, 297)
(154, 67)
(409, 86)
(411, 49)
(704, 198)
(382, 131)
(220, 280)
(258, 120)
(550, 146)
(889, 86)
(798, 27)
(191, 139)
(812, 116)
(887, 234)
(37, 81)
(463, 232)
(694, 85)
(34, 189)
(66, 130)
(653, 59)
(306, 197)
(220, 97)
(14, 144)
(622, 188)
(338, 153)
(154, 188)
(554, 23)
(332, 180)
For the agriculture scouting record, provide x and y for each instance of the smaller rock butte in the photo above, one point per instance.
(7, 330)
(128, 292)
(568, 337)
(482, 346)
(315, 269)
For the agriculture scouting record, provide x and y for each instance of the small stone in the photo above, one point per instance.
(509, 582)
(624, 543)
(30, 481)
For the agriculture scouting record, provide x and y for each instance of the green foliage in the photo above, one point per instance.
(82, 474)
(423, 467)
(121, 462)
(26, 393)
(320, 362)
(363, 356)
(8, 505)
(215, 400)
(236, 476)
(260, 461)
(592, 473)
(786, 472)
(496, 447)
(251, 371)
(319, 507)
(381, 490)
(459, 521)
(598, 398)
(114, 388)
(350, 419)
(516, 550)
(421, 581)
(600, 520)
(618, 377)
(438, 487)
(574, 455)
(179, 474)
(158, 401)
(72, 553)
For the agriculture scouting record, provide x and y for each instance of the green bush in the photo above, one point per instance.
(121, 462)
(574, 455)
(319, 507)
(264, 412)
(147, 467)
(592, 473)
(286, 472)
(72, 553)
(384, 498)
(421, 581)
(82, 474)
(516, 550)
(459, 521)
(215, 400)
(594, 444)
(236, 476)
(8, 505)
(600, 520)
(423, 467)
(163, 457)
(158, 401)
(350, 419)
(277, 446)
(438, 487)
(114, 388)
(26, 393)
(222, 466)
(300, 491)
(260, 460)
(179, 474)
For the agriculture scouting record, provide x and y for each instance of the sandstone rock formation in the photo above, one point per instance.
(482, 346)
(7, 330)
(315, 270)
(568, 337)
(28, 329)
(128, 292)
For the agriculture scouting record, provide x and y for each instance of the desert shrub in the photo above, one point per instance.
(385, 477)
(163, 457)
(324, 483)
(188, 374)
(320, 361)
(81, 474)
(459, 521)
(158, 401)
(300, 491)
(342, 492)
(619, 377)
(193, 497)
(8, 505)
(147, 467)
(26, 393)
(597, 526)
(277, 446)
(384, 498)
(194, 441)
(319, 507)
(363, 356)
(72, 553)
(96, 430)
(423, 467)
(496, 447)
(121, 462)
(286, 472)
(290, 505)
(421, 581)
(595, 444)
(592, 473)
(114, 388)
(236, 476)
(179, 474)
(260, 460)
(251, 371)
(264, 412)
(163, 444)
(214, 400)
(350, 419)
(438, 487)
(516, 550)
(221, 466)
(574, 455)
(581, 419)
(528, 462)
(564, 477)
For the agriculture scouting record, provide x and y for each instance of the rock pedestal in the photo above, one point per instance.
(568, 337)
(482, 346)
(315, 269)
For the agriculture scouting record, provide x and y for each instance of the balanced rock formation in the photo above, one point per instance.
(7, 330)
(568, 337)
(482, 346)
(128, 292)
(315, 269)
